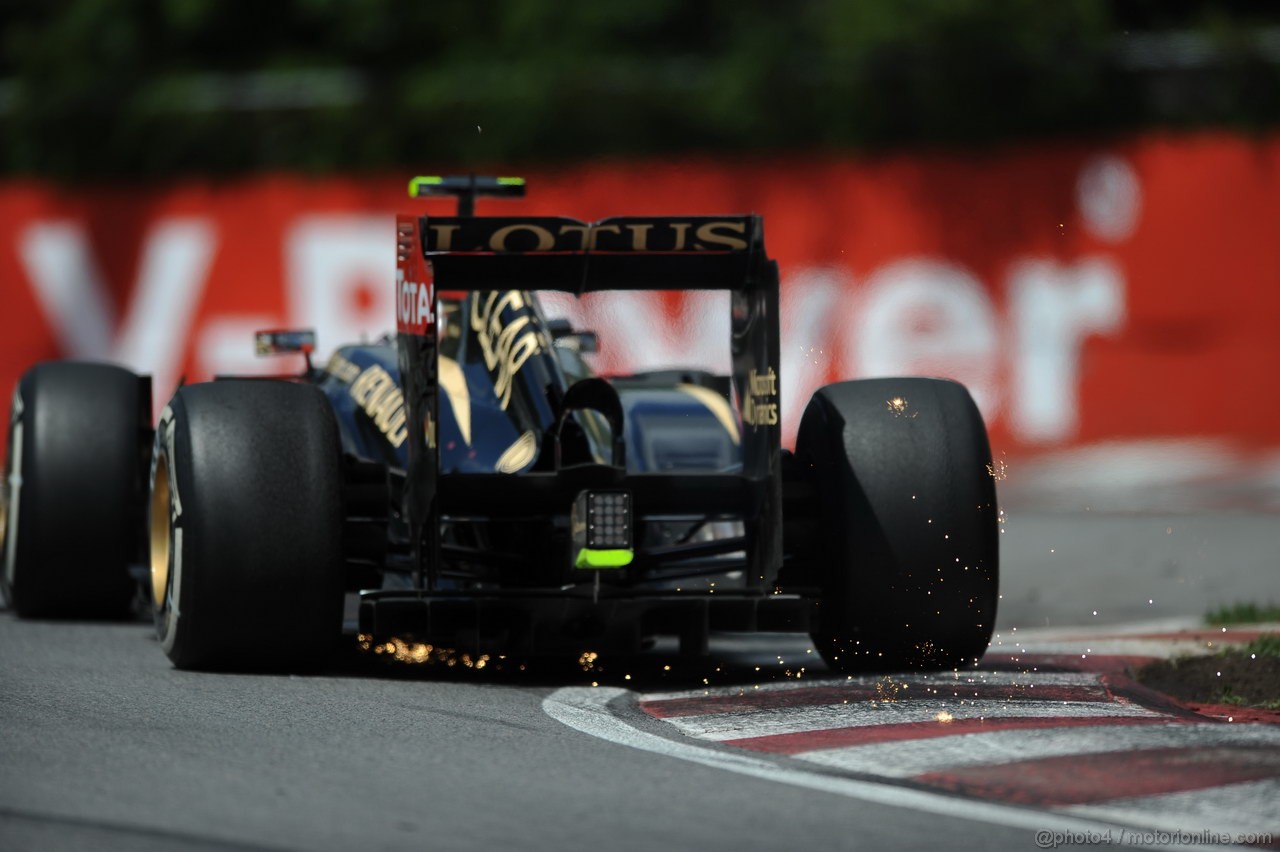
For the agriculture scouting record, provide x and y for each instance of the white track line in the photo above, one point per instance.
(584, 709)
(1114, 647)
(948, 680)
(764, 723)
(907, 758)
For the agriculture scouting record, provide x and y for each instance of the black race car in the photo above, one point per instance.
(482, 490)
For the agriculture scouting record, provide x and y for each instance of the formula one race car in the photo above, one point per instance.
(482, 490)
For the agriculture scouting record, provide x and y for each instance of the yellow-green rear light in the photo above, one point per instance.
(617, 558)
(602, 528)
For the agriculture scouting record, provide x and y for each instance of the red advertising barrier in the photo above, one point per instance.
(1084, 292)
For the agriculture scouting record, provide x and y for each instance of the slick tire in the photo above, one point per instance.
(246, 527)
(74, 490)
(908, 561)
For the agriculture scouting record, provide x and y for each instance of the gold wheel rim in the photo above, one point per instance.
(4, 503)
(160, 532)
(4, 517)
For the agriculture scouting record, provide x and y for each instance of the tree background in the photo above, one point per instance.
(145, 90)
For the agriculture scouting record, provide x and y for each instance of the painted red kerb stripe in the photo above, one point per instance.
(1087, 778)
(1025, 661)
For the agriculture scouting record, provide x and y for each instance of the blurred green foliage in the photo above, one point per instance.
(1242, 613)
(140, 89)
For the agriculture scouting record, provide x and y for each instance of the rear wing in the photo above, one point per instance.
(626, 253)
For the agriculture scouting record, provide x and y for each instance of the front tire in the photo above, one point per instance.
(74, 490)
(909, 544)
(246, 527)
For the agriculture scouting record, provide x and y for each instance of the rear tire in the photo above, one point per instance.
(74, 490)
(246, 527)
(908, 560)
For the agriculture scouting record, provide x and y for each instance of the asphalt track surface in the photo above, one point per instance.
(1098, 568)
(105, 746)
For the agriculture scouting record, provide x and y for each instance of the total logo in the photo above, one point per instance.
(415, 305)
